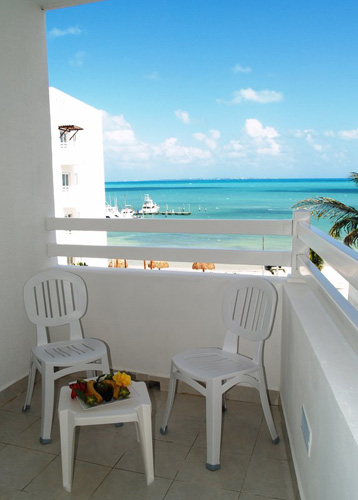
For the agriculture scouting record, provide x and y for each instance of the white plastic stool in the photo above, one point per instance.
(137, 408)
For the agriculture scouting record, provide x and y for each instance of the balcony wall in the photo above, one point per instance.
(320, 373)
(148, 316)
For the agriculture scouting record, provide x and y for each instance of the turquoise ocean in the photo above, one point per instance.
(224, 199)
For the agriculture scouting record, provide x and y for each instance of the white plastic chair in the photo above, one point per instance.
(134, 409)
(248, 310)
(54, 298)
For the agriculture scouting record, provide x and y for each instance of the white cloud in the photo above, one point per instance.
(77, 59)
(234, 149)
(123, 147)
(311, 135)
(261, 96)
(71, 30)
(183, 116)
(177, 153)
(210, 139)
(241, 69)
(254, 128)
(264, 137)
(348, 134)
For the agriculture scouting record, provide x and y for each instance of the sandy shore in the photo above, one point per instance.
(340, 283)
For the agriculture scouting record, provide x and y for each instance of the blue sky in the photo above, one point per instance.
(203, 89)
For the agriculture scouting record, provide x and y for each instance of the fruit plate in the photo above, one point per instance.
(84, 406)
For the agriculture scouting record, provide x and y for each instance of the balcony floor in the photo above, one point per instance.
(109, 464)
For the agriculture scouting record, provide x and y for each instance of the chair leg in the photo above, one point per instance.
(146, 442)
(30, 385)
(170, 401)
(48, 388)
(266, 407)
(213, 424)
(224, 405)
(67, 433)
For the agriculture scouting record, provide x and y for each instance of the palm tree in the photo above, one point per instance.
(345, 218)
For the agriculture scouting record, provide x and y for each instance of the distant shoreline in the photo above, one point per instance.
(215, 179)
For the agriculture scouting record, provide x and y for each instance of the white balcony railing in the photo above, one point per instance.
(304, 236)
(172, 227)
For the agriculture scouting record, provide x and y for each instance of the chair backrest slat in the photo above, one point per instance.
(54, 298)
(249, 307)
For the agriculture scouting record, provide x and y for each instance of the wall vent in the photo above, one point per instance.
(306, 431)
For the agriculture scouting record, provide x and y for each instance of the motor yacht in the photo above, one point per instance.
(149, 207)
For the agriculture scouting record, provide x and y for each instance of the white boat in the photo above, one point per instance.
(112, 212)
(127, 212)
(149, 207)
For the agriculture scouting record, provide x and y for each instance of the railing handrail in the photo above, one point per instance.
(192, 226)
(221, 256)
(341, 258)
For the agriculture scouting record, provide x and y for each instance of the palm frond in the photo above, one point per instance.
(322, 207)
(351, 239)
(346, 225)
(354, 177)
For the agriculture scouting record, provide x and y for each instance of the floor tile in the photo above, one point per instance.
(270, 477)
(13, 423)
(23, 495)
(182, 429)
(7, 493)
(86, 479)
(264, 446)
(168, 459)
(30, 438)
(230, 476)
(131, 486)
(237, 437)
(99, 447)
(188, 405)
(16, 405)
(19, 466)
(251, 413)
(158, 399)
(189, 491)
(248, 496)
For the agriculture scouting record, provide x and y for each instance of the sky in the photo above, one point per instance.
(214, 89)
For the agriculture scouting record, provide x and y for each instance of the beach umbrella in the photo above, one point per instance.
(204, 266)
(119, 263)
(158, 264)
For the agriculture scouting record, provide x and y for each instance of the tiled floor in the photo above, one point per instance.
(109, 464)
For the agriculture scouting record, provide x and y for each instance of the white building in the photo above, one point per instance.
(78, 167)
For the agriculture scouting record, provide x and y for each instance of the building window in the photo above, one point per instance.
(65, 180)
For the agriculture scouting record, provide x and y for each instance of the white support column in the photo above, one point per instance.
(298, 247)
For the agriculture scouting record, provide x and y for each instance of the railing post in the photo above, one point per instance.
(298, 247)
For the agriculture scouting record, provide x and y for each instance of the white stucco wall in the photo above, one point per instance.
(26, 196)
(319, 372)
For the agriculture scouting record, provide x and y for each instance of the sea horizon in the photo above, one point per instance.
(184, 179)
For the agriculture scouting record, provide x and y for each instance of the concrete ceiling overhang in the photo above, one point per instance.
(58, 4)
